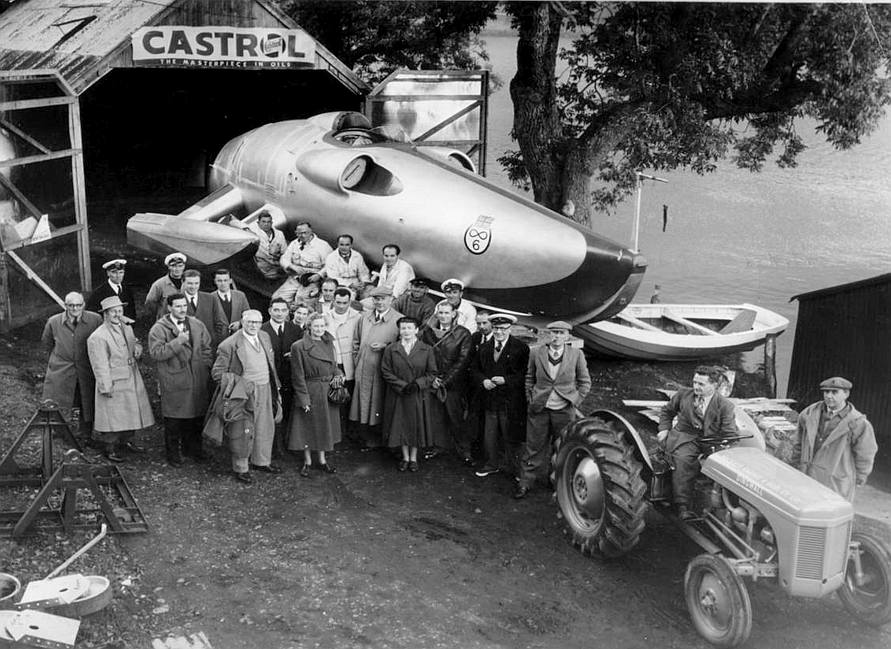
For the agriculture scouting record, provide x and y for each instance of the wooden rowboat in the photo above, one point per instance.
(673, 332)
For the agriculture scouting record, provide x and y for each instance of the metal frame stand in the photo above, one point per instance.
(45, 422)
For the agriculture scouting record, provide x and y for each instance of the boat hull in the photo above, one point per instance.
(626, 341)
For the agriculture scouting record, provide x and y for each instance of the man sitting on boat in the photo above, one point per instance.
(701, 412)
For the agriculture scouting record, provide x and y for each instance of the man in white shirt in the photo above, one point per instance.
(272, 244)
(304, 263)
(395, 273)
(347, 267)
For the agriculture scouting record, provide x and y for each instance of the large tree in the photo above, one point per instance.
(374, 38)
(667, 85)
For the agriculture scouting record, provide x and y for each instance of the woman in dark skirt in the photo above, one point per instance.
(408, 367)
(315, 422)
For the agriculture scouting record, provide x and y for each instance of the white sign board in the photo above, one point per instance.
(228, 47)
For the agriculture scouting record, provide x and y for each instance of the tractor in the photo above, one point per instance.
(755, 517)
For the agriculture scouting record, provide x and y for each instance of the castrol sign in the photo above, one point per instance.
(231, 47)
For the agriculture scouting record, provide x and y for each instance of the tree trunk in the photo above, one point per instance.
(537, 125)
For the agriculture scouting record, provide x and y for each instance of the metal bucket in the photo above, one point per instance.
(10, 589)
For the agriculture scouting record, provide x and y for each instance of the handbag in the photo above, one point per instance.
(339, 395)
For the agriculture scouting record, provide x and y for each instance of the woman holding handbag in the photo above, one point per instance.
(315, 420)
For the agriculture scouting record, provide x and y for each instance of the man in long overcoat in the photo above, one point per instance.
(557, 381)
(69, 378)
(499, 376)
(701, 412)
(122, 404)
(451, 344)
(180, 346)
(374, 331)
(247, 354)
(838, 444)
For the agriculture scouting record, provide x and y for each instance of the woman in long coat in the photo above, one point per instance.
(315, 421)
(408, 367)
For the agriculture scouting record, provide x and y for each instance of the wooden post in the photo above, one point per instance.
(80, 198)
(770, 364)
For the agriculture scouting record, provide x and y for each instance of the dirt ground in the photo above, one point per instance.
(371, 557)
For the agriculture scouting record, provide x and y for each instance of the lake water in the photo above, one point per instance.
(734, 236)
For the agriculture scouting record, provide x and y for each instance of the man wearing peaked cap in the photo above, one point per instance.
(113, 286)
(498, 373)
(454, 290)
(838, 444)
(172, 282)
(416, 302)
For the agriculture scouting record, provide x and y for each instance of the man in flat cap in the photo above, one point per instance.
(416, 302)
(113, 285)
(375, 330)
(69, 378)
(454, 292)
(122, 404)
(499, 377)
(701, 411)
(838, 444)
(557, 381)
(172, 282)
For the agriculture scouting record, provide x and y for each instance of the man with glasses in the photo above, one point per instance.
(499, 373)
(172, 282)
(304, 263)
(557, 381)
(247, 357)
(69, 378)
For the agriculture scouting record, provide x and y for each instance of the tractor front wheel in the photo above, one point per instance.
(599, 487)
(718, 601)
(870, 600)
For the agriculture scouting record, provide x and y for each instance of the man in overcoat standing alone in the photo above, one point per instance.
(69, 378)
(557, 382)
(180, 346)
(838, 444)
(122, 404)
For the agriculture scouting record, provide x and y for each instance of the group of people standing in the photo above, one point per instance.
(424, 378)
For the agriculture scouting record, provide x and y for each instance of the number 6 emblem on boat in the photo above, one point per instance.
(479, 235)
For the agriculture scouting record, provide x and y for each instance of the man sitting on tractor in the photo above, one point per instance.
(701, 412)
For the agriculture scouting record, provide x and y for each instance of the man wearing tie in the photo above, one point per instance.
(233, 301)
(180, 346)
(113, 286)
(700, 412)
(499, 372)
(283, 333)
(204, 306)
(557, 381)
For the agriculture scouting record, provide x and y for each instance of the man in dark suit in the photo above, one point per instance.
(557, 381)
(700, 412)
(283, 333)
(113, 285)
(205, 307)
(233, 301)
(499, 372)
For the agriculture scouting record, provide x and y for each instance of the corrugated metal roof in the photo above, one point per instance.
(80, 38)
(843, 288)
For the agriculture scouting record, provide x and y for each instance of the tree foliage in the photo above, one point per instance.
(666, 85)
(374, 38)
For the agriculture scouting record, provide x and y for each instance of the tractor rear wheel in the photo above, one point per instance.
(717, 601)
(599, 487)
(870, 601)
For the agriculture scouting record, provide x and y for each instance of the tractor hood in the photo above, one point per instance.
(775, 487)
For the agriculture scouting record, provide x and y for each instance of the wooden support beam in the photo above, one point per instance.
(23, 104)
(80, 196)
(34, 277)
(55, 234)
(9, 126)
(20, 197)
(461, 113)
(377, 99)
(43, 157)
